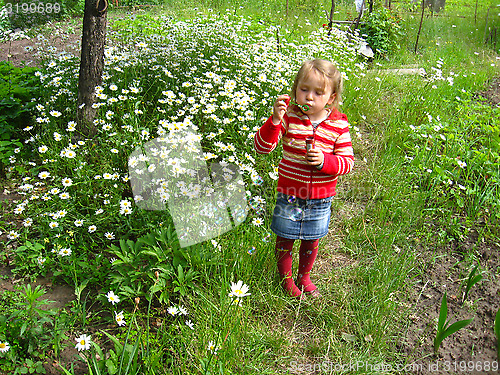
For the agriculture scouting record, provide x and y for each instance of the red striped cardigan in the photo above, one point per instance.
(296, 177)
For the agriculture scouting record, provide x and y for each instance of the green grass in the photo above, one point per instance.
(383, 209)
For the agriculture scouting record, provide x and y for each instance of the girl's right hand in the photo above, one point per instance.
(279, 108)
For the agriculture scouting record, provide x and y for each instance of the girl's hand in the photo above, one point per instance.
(279, 108)
(315, 157)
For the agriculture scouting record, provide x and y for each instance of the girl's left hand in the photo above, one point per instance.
(315, 157)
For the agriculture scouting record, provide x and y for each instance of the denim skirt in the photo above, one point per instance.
(301, 219)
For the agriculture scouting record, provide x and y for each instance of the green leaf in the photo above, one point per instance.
(443, 313)
(133, 357)
(180, 273)
(79, 289)
(455, 327)
(110, 364)
(118, 345)
(151, 253)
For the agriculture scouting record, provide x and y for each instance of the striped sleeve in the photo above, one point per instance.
(267, 137)
(342, 159)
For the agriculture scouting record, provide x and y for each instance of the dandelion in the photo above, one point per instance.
(4, 346)
(112, 297)
(239, 290)
(120, 320)
(83, 342)
(212, 347)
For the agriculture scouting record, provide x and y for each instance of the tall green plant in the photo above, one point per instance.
(383, 31)
(444, 329)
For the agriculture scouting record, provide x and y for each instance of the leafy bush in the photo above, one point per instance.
(26, 325)
(155, 259)
(382, 31)
(19, 89)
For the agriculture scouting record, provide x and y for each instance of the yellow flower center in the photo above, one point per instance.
(82, 342)
(2, 345)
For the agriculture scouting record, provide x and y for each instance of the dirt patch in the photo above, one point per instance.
(472, 348)
(29, 51)
(492, 94)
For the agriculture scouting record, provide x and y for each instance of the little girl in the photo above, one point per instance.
(316, 150)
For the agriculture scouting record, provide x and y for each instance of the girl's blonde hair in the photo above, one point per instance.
(328, 71)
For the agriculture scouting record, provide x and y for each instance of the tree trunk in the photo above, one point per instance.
(91, 64)
(330, 23)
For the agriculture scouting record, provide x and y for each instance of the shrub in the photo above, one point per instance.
(382, 31)
(17, 88)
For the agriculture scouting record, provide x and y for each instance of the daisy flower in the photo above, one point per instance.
(212, 347)
(172, 310)
(257, 221)
(92, 229)
(239, 290)
(109, 235)
(120, 319)
(190, 324)
(65, 252)
(43, 175)
(112, 297)
(83, 342)
(67, 182)
(4, 347)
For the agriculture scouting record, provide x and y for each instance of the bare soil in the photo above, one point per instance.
(472, 348)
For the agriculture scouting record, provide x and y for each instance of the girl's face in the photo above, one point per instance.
(313, 92)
